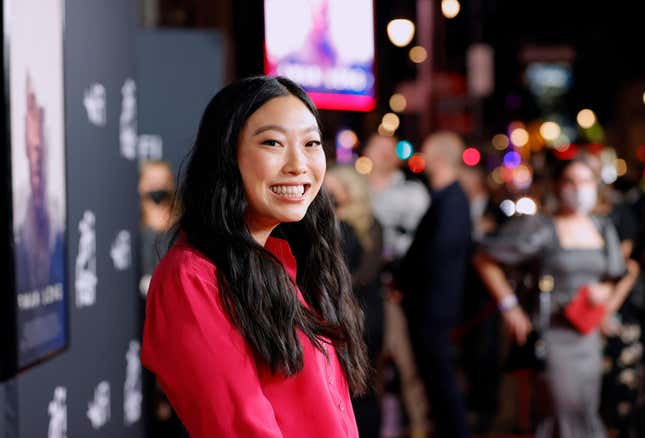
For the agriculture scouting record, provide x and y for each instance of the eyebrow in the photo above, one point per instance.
(278, 128)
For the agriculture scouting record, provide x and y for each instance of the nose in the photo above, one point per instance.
(296, 161)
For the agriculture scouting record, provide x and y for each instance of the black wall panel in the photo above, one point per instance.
(88, 385)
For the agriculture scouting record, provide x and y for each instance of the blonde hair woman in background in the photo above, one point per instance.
(351, 196)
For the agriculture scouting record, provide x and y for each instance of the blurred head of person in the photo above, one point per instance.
(256, 168)
(576, 185)
(382, 151)
(442, 152)
(156, 191)
(35, 147)
(350, 191)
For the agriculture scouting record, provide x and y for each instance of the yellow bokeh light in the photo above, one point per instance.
(586, 118)
(391, 122)
(519, 136)
(418, 54)
(500, 142)
(400, 32)
(450, 8)
(385, 132)
(621, 167)
(363, 165)
(497, 176)
(398, 102)
(550, 131)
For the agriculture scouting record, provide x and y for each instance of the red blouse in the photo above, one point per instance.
(209, 374)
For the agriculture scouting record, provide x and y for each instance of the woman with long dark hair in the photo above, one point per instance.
(579, 276)
(251, 325)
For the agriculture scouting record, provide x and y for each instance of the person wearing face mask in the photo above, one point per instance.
(574, 257)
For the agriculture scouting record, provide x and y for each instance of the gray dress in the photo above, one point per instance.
(569, 387)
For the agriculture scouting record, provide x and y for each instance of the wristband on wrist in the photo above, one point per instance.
(507, 303)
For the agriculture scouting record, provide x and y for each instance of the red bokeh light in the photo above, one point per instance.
(471, 156)
(595, 148)
(640, 153)
(568, 152)
(417, 163)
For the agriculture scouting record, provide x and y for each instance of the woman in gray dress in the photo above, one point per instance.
(566, 251)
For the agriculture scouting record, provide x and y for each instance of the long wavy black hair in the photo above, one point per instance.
(255, 289)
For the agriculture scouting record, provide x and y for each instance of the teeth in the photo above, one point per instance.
(291, 191)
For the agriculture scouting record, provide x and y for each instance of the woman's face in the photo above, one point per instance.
(578, 188)
(281, 160)
(577, 176)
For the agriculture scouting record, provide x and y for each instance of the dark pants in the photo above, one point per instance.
(480, 360)
(433, 354)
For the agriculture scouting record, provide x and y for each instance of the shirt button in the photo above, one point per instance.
(341, 407)
(331, 381)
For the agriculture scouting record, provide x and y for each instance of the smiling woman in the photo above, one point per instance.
(242, 342)
(282, 164)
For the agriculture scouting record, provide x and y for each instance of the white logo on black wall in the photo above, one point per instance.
(94, 101)
(132, 388)
(120, 252)
(99, 409)
(58, 414)
(85, 281)
(128, 120)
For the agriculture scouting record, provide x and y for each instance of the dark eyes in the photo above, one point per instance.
(312, 143)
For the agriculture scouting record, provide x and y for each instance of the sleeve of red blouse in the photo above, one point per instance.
(201, 360)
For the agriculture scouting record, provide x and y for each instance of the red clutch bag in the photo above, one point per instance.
(583, 313)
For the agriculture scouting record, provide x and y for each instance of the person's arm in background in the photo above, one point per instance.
(623, 287)
(515, 319)
(520, 240)
(625, 232)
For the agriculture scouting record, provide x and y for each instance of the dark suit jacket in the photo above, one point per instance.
(433, 271)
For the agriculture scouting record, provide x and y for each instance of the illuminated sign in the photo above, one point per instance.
(326, 46)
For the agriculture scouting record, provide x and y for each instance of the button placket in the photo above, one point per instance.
(329, 374)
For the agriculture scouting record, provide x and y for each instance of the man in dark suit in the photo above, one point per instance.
(432, 280)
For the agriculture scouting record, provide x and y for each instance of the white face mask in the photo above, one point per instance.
(581, 200)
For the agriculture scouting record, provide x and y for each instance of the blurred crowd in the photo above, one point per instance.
(475, 315)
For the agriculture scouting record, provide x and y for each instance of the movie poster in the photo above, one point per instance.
(34, 37)
(326, 46)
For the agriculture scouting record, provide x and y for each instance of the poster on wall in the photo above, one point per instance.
(33, 32)
(326, 46)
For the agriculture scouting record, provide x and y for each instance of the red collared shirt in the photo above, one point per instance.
(208, 372)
